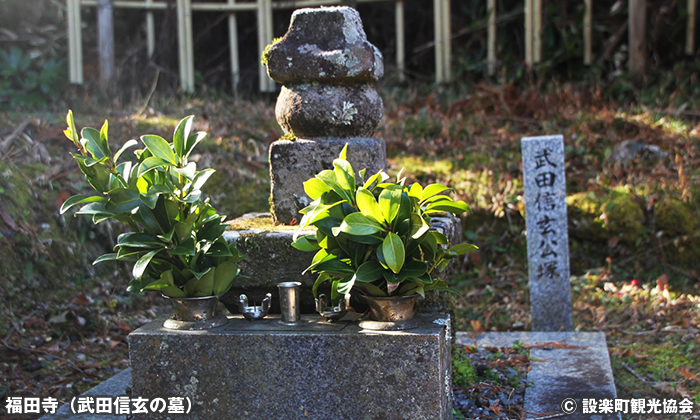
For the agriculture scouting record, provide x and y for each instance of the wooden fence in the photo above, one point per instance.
(442, 38)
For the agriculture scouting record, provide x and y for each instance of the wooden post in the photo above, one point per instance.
(78, 42)
(75, 42)
(182, 44)
(528, 33)
(233, 42)
(637, 33)
(491, 43)
(269, 27)
(70, 28)
(150, 29)
(690, 39)
(439, 51)
(537, 31)
(443, 47)
(105, 41)
(447, 40)
(189, 39)
(587, 33)
(264, 37)
(400, 41)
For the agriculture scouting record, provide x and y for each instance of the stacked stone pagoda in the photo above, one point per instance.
(328, 99)
(328, 72)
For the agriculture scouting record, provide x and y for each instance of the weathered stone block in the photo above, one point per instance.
(326, 44)
(313, 371)
(313, 111)
(434, 301)
(294, 162)
(270, 259)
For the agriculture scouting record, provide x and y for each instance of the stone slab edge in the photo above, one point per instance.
(429, 345)
(559, 373)
(112, 387)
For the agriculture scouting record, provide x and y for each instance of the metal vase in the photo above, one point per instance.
(391, 309)
(196, 313)
(290, 302)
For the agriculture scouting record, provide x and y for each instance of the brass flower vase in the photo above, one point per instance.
(390, 313)
(196, 313)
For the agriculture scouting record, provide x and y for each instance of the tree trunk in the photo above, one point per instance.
(637, 36)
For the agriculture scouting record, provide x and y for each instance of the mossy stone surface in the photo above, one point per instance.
(624, 217)
(584, 211)
(680, 239)
(674, 217)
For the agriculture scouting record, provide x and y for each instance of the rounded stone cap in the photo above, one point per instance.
(324, 44)
(314, 111)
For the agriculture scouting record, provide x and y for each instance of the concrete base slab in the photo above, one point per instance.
(316, 370)
(115, 386)
(575, 365)
(581, 370)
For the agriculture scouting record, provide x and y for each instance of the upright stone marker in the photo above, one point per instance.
(547, 235)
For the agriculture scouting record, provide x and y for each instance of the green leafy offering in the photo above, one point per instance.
(374, 236)
(176, 242)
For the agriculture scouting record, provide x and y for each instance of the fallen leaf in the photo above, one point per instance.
(687, 374)
(82, 299)
(58, 319)
(62, 197)
(7, 219)
(476, 326)
(662, 283)
(475, 258)
(495, 407)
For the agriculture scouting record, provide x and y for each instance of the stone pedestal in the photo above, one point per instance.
(271, 259)
(294, 162)
(318, 370)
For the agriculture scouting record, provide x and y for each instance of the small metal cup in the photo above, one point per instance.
(290, 307)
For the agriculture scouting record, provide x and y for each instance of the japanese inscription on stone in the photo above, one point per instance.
(547, 236)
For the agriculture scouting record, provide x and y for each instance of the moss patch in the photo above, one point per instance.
(674, 217)
(259, 223)
(584, 211)
(624, 218)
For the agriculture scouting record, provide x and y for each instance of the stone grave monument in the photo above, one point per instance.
(547, 232)
(328, 70)
(315, 369)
